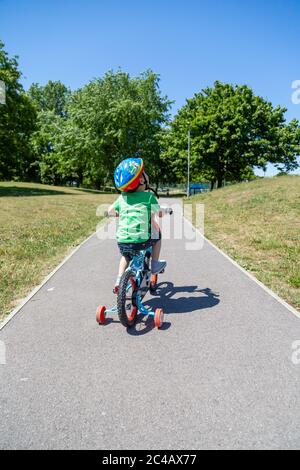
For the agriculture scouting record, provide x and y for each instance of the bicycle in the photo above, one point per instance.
(135, 283)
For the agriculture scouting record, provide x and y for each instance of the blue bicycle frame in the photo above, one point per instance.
(142, 279)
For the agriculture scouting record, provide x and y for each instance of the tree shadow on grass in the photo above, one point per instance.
(16, 191)
(166, 297)
(94, 191)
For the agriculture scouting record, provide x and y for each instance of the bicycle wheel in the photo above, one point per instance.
(127, 309)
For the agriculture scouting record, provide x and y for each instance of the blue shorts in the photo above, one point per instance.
(129, 250)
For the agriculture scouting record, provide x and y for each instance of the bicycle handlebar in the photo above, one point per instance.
(169, 210)
(165, 210)
(107, 215)
(161, 212)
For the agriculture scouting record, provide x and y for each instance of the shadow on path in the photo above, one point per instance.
(164, 298)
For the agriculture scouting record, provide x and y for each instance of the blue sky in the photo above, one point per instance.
(189, 43)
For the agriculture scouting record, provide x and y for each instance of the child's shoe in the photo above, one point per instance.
(158, 266)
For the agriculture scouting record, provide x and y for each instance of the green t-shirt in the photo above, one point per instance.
(135, 210)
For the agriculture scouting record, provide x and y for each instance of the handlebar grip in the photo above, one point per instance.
(110, 216)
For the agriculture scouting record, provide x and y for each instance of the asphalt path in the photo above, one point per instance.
(219, 374)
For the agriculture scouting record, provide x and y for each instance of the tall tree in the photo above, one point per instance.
(232, 130)
(53, 96)
(17, 121)
(50, 102)
(111, 118)
(48, 163)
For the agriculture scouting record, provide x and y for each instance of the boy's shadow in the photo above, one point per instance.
(164, 298)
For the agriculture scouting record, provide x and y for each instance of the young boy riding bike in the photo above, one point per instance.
(135, 209)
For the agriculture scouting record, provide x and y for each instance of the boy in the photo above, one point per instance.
(135, 208)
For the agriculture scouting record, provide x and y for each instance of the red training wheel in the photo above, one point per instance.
(158, 317)
(100, 315)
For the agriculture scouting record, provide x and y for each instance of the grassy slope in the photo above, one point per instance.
(38, 226)
(258, 224)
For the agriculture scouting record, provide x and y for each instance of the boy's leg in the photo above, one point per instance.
(123, 265)
(156, 264)
(124, 262)
(156, 250)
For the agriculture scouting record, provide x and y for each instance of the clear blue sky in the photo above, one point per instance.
(190, 43)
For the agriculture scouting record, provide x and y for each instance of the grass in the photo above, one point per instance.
(39, 225)
(258, 225)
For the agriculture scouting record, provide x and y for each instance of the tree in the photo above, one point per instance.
(109, 119)
(171, 168)
(232, 130)
(17, 122)
(53, 96)
(50, 102)
(289, 147)
(48, 162)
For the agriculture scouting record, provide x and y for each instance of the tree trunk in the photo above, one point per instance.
(79, 179)
(221, 170)
(220, 177)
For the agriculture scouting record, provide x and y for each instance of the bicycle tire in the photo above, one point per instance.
(125, 319)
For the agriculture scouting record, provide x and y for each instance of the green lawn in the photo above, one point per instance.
(258, 224)
(39, 225)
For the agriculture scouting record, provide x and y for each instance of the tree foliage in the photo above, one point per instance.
(51, 97)
(17, 121)
(232, 130)
(56, 135)
(108, 119)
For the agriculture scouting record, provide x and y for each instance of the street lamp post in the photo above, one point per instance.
(189, 158)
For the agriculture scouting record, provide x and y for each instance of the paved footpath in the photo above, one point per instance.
(218, 375)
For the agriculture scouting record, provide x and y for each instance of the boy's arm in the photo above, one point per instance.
(114, 209)
(159, 210)
(155, 207)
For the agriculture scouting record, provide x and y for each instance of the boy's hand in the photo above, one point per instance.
(113, 214)
(165, 210)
